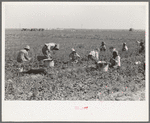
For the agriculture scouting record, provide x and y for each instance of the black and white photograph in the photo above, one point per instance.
(91, 52)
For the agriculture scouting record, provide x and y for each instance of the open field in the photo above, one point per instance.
(78, 82)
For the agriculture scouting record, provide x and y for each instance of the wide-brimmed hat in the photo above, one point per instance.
(73, 50)
(116, 52)
(27, 47)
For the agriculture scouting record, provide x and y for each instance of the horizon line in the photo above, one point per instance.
(75, 28)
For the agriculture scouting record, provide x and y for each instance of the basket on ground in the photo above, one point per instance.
(102, 65)
(48, 63)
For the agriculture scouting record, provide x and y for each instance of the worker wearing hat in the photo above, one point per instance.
(124, 48)
(23, 58)
(115, 60)
(103, 47)
(23, 55)
(48, 49)
(74, 56)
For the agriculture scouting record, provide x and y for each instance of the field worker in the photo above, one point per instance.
(74, 56)
(23, 55)
(103, 47)
(93, 55)
(142, 47)
(48, 49)
(115, 60)
(124, 48)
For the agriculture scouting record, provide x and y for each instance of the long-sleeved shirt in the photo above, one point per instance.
(23, 56)
(47, 49)
(94, 54)
(116, 61)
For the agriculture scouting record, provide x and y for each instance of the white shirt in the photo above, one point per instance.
(117, 61)
(23, 56)
(94, 54)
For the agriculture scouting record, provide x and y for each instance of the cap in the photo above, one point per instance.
(27, 47)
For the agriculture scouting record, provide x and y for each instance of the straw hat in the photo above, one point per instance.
(73, 50)
(113, 50)
(27, 47)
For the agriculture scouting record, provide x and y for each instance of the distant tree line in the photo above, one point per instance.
(33, 29)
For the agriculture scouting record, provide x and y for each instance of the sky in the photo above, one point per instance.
(75, 15)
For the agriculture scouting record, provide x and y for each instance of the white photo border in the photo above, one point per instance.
(65, 110)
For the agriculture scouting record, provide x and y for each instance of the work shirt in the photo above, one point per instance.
(47, 49)
(94, 54)
(115, 61)
(23, 56)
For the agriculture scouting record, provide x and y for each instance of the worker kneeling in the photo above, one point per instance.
(115, 60)
(74, 56)
(23, 57)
